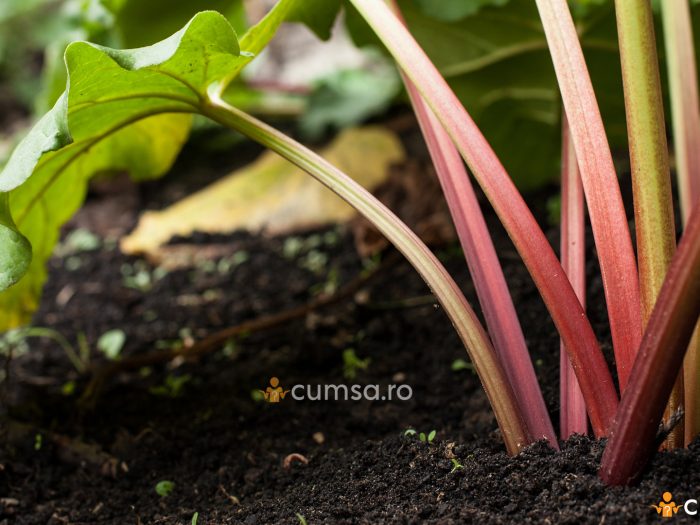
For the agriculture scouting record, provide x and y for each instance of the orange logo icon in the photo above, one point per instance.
(667, 508)
(274, 393)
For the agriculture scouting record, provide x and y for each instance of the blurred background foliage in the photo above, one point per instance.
(493, 53)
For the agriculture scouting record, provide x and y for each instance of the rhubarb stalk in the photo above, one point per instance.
(685, 110)
(473, 335)
(603, 197)
(651, 174)
(633, 438)
(539, 257)
(572, 416)
(484, 267)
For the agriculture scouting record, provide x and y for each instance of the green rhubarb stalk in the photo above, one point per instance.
(685, 110)
(651, 175)
(471, 332)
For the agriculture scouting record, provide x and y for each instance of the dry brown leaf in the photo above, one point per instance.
(271, 195)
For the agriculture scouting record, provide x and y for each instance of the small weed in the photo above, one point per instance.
(227, 264)
(172, 386)
(195, 518)
(302, 519)
(429, 438)
(352, 364)
(164, 488)
(111, 343)
(78, 241)
(139, 276)
(456, 465)
(38, 442)
(422, 436)
(461, 364)
(315, 261)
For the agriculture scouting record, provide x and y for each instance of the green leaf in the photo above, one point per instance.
(164, 488)
(123, 110)
(111, 343)
(318, 15)
(348, 97)
(141, 23)
(16, 253)
(453, 10)
(498, 63)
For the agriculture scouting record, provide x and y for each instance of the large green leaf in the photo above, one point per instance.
(318, 15)
(498, 63)
(454, 10)
(123, 110)
(141, 23)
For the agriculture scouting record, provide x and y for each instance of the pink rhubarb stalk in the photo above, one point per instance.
(572, 417)
(633, 439)
(491, 288)
(568, 315)
(605, 206)
(485, 268)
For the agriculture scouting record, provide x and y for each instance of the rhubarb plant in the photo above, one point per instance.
(131, 110)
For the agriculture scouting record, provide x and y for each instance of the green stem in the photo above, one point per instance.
(443, 286)
(685, 109)
(651, 175)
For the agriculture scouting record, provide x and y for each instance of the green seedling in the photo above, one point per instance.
(421, 436)
(195, 518)
(38, 442)
(429, 438)
(172, 386)
(456, 465)
(111, 343)
(78, 241)
(461, 364)
(164, 488)
(302, 519)
(352, 364)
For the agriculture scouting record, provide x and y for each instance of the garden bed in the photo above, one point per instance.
(200, 425)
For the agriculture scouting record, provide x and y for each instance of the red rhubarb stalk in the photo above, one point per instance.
(633, 438)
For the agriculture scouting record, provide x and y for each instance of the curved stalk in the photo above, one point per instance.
(572, 417)
(544, 267)
(443, 286)
(485, 268)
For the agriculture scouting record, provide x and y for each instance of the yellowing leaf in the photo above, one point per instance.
(271, 195)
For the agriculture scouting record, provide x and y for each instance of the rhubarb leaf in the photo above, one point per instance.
(454, 10)
(123, 110)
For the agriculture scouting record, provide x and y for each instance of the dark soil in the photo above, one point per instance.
(200, 425)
